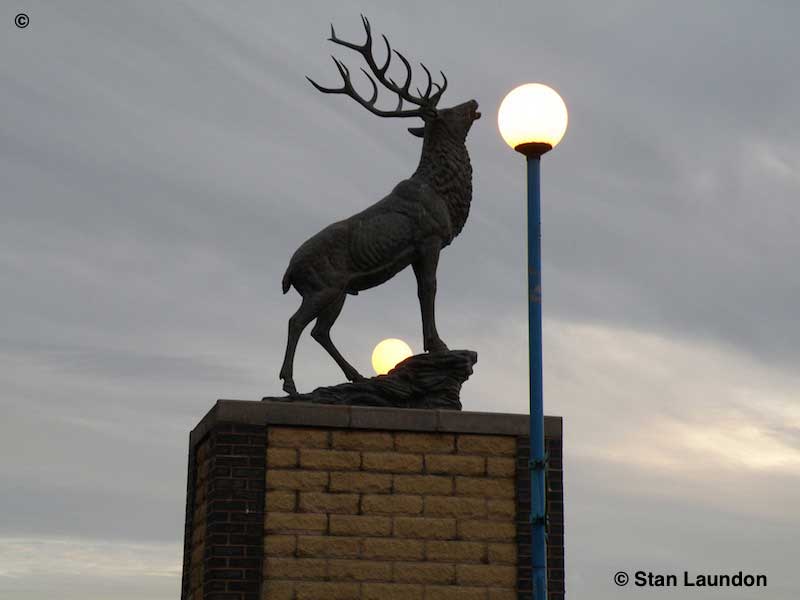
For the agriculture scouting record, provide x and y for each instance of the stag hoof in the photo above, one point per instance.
(355, 377)
(436, 346)
(289, 387)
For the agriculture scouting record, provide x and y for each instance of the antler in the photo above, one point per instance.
(423, 101)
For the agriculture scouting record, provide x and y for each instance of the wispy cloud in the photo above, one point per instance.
(75, 568)
(31, 557)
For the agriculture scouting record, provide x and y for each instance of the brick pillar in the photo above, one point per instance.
(308, 502)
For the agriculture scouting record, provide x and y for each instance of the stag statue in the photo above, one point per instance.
(410, 226)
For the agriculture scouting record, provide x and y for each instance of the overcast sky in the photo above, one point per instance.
(160, 162)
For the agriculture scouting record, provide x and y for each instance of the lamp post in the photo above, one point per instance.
(532, 120)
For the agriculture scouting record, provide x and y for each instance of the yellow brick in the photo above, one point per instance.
(278, 590)
(486, 575)
(360, 525)
(447, 464)
(503, 554)
(453, 506)
(485, 487)
(425, 442)
(491, 445)
(491, 531)
(196, 579)
(328, 546)
(349, 481)
(198, 534)
(327, 591)
(281, 458)
(391, 591)
(423, 484)
(292, 522)
(501, 508)
(359, 570)
(362, 440)
(280, 501)
(320, 502)
(460, 552)
(199, 530)
(197, 555)
(423, 572)
(502, 594)
(329, 459)
(393, 549)
(455, 592)
(395, 504)
(297, 480)
(294, 568)
(501, 467)
(201, 454)
(297, 437)
(424, 528)
(392, 462)
(279, 545)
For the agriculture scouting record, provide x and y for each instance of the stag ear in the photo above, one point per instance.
(429, 113)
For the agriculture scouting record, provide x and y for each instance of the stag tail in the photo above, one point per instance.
(287, 281)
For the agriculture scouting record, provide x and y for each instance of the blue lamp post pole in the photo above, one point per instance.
(533, 153)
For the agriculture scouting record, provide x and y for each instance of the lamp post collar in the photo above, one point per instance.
(533, 149)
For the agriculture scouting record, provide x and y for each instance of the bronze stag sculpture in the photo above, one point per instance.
(410, 226)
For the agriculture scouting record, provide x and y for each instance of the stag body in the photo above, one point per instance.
(410, 226)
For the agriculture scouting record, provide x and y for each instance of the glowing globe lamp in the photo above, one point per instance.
(388, 353)
(532, 117)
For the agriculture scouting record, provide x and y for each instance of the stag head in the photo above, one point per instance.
(456, 120)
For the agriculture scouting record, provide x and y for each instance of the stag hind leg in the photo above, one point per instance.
(297, 323)
(322, 333)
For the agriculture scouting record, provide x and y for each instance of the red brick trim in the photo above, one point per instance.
(555, 512)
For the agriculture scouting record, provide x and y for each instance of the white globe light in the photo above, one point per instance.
(532, 113)
(388, 353)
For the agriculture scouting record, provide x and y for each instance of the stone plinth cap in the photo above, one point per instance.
(249, 412)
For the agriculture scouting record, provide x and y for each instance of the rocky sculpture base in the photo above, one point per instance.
(420, 381)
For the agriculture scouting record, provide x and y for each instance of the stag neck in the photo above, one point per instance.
(440, 153)
(445, 167)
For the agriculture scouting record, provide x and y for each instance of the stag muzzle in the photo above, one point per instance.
(475, 113)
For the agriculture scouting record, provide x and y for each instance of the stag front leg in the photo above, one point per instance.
(322, 333)
(425, 272)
